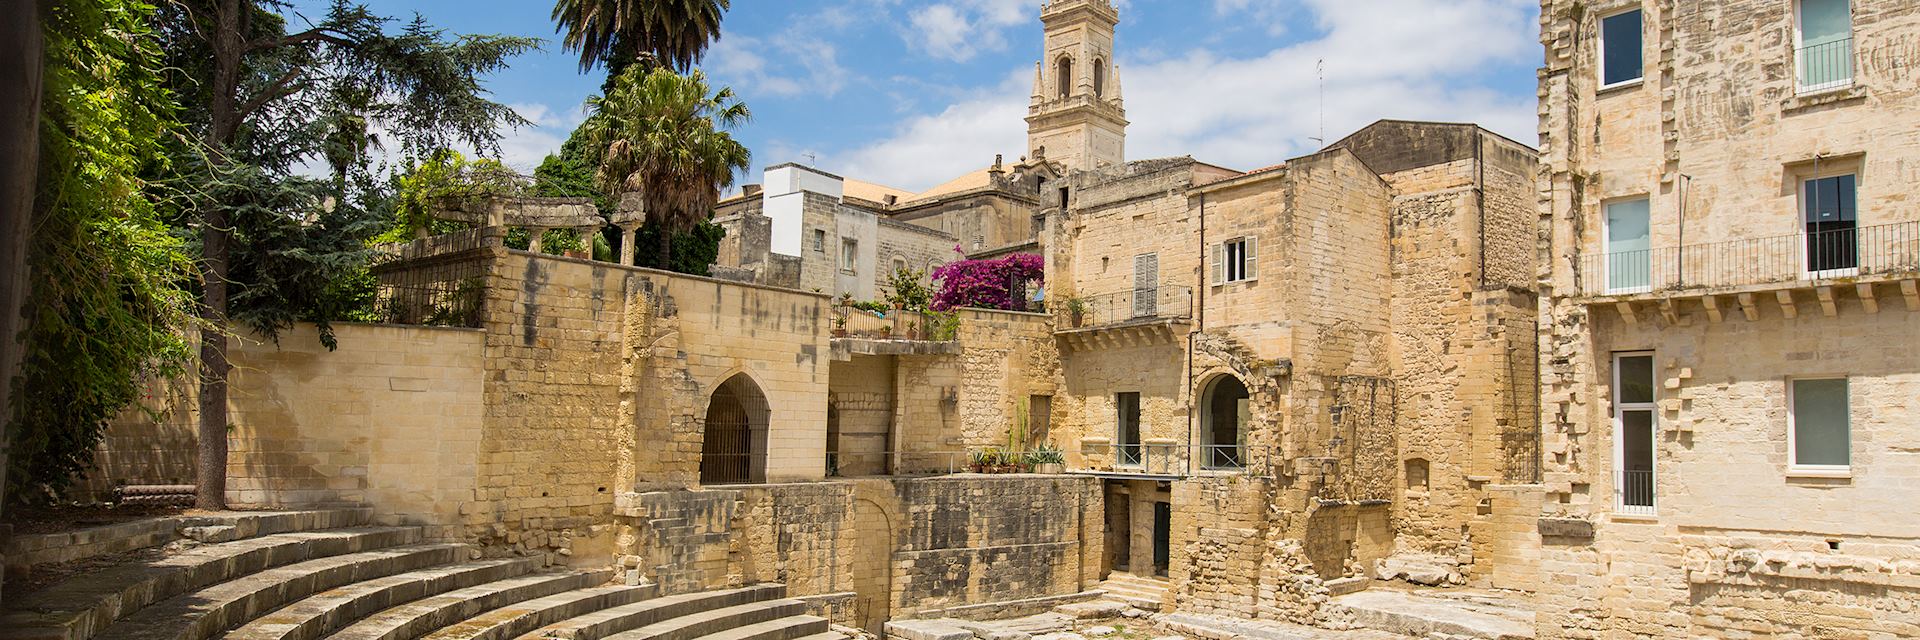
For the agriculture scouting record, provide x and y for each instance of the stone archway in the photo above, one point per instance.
(733, 446)
(1225, 413)
(873, 565)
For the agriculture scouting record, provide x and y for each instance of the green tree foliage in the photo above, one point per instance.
(444, 174)
(667, 136)
(107, 310)
(257, 95)
(570, 173)
(646, 33)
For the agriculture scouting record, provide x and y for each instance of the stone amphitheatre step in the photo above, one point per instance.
(787, 628)
(1449, 612)
(330, 610)
(24, 553)
(83, 605)
(415, 619)
(830, 635)
(639, 615)
(713, 621)
(518, 619)
(204, 613)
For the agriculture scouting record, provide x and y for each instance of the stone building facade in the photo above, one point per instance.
(1301, 375)
(1729, 319)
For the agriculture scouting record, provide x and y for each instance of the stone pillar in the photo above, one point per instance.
(629, 234)
(534, 234)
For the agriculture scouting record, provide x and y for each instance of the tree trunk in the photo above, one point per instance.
(21, 65)
(665, 249)
(229, 50)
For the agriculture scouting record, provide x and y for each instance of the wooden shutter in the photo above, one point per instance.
(1252, 258)
(1219, 263)
(1146, 284)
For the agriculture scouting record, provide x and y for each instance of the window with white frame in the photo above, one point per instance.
(820, 240)
(1235, 260)
(1621, 50)
(1823, 57)
(1634, 426)
(1629, 251)
(1819, 433)
(849, 255)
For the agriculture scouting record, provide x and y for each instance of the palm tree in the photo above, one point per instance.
(661, 134)
(653, 33)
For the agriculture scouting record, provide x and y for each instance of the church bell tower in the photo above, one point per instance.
(1076, 113)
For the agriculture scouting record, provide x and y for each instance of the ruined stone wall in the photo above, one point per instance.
(900, 546)
(1086, 419)
(1218, 544)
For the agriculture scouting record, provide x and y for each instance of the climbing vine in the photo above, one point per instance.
(107, 306)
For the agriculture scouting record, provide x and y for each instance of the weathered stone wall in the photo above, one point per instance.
(860, 414)
(391, 418)
(980, 221)
(1718, 138)
(902, 546)
(1219, 544)
(139, 448)
(915, 247)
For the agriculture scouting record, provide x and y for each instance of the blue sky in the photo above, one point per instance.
(911, 92)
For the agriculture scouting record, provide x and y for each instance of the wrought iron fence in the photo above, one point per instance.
(1633, 492)
(1861, 251)
(1825, 66)
(1173, 459)
(1163, 301)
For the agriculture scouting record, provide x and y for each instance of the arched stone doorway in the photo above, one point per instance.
(733, 448)
(1225, 412)
(873, 565)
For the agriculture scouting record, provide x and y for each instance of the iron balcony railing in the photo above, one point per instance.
(1825, 66)
(1887, 249)
(1633, 493)
(1167, 459)
(1162, 302)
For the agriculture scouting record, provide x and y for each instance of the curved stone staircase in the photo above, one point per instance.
(329, 574)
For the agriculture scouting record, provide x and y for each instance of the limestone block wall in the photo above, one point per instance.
(918, 248)
(900, 546)
(977, 221)
(860, 414)
(392, 418)
(1219, 544)
(139, 448)
(1086, 419)
(1006, 357)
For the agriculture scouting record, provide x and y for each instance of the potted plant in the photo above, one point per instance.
(1076, 310)
(979, 460)
(1047, 458)
(840, 325)
(886, 331)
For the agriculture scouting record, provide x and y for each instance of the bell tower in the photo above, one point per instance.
(1076, 113)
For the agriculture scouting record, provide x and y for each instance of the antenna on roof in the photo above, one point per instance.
(1320, 72)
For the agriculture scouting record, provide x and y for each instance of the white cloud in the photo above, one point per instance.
(1409, 59)
(790, 63)
(958, 32)
(1270, 15)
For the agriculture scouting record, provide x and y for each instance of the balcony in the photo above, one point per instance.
(1164, 460)
(1826, 66)
(1128, 318)
(1860, 255)
(1633, 493)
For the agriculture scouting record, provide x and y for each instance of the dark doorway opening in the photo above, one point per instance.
(1162, 531)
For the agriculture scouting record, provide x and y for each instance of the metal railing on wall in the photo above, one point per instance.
(1862, 251)
(1633, 493)
(1825, 66)
(1172, 459)
(1163, 301)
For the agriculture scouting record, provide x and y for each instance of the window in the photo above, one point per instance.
(1416, 474)
(820, 240)
(1099, 76)
(1063, 197)
(1829, 214)
(899, 264)
(1620, 49)
(849, 255)
(1039, 418)
(1127, 434)
(1223, 422)
(1235, 260)
(1818, 433)
(1824, 57)
(1633, 433)
(1146, 285)
(1063, 75)
(1629, 247)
